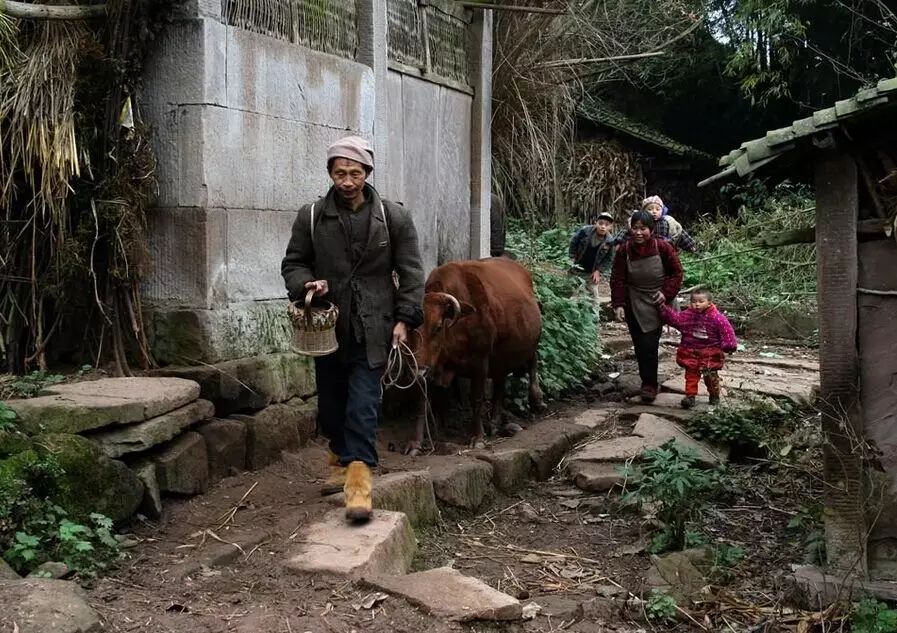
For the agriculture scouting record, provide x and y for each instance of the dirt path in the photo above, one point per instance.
(548, 543)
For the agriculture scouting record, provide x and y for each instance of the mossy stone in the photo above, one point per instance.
(12, 443)
(94, 482)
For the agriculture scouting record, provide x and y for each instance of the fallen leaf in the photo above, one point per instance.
(531, 559)
(531, 610)
(370, 601)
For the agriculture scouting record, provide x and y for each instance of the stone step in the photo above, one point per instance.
(95, 404)
(650, 432)
(448, 594)
(41, 605)
(409, 492)
(593, 418)
(384, 545)
(141, 436)
(673, 400)
(595, 476)
(798, 385)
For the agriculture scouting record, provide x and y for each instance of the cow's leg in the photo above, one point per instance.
(478, 405)
(417, 442)
(536, 398)
(498, 403)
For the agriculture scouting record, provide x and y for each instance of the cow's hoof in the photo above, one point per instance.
(511, 428)
(538, 406)
(413, 449)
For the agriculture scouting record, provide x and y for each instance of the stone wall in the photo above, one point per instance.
(241, 125)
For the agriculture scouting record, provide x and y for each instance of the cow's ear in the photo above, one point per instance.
(467, 309)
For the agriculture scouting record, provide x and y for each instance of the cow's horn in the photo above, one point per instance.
(456, 309)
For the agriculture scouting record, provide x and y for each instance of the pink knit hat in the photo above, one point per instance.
(652, 200)
(354, 148)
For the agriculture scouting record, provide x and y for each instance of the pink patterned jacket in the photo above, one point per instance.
(701, 330)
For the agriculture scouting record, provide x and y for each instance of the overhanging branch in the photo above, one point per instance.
(30, 11)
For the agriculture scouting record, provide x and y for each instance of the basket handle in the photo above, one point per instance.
(307, 309)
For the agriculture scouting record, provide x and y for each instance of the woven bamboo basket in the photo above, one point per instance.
(314, 328)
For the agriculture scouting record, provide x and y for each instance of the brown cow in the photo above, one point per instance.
(481, 321)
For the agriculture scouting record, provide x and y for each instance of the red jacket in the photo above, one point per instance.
(701, 330)
(672, 267)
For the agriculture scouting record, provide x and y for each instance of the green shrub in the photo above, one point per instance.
(725, 559)
(34, 529)
(737, 425)
(743, 276)
(870, 616)
(29, 385)
(7, 418)
(661, 607)
(670, 478)
(807, 524)
(568, 349)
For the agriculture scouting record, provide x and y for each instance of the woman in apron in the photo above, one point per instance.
(646, 273)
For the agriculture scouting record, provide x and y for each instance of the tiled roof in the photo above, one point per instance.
(759, 152)
(602, 114)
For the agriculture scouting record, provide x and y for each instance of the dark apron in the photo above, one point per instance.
(644, 278)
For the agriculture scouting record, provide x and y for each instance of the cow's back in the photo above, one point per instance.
(501, 290)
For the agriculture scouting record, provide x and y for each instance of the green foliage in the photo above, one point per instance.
(34, 529)
(670, 478)
(661, 607)
(742, 275)
(7, 418)
(29, 385)
(871, 616)
(737, 425)
(725, 559)
(807, 523)
(568, 349)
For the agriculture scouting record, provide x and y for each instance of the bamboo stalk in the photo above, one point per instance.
(510, 7)
(30, 11)
(598, 60)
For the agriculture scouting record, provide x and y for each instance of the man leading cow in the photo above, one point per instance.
(346, 246)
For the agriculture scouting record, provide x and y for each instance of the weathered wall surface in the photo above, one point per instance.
(429, 152)
(241, 125)
(878, 367)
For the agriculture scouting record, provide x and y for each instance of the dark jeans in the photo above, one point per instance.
(349, 396)
(646, 346)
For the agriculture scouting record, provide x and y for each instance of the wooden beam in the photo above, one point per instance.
(807, 234)
(28, 11)
(510, 7)
(837, 207)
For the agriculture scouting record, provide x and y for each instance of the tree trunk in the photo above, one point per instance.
(837, 208)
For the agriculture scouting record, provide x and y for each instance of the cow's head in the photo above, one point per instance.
(442, 335)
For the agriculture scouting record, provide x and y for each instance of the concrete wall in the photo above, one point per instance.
(241, 126)
(429, 151)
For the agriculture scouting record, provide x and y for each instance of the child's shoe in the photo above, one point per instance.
(688, 402)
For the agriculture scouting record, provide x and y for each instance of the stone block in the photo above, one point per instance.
(7, 572)
(270, 431)
(409, 492)
(552, 448)
(41, 605)
(385, 545)
(187, 266)
(618, 449)
(594, 418)
(142, 436)
(286, 81)
(594, 477)
(151, 505)
(454, 175)
(510, 469)
(447, 594)
(226, 447)
(50, 570)
(307, 424)
(83, 406)
(184, 336)
(463, 484)
(256, 242)
(183, 466)
(251, 383)
(657, 431)
(95, 482)
(186, 64)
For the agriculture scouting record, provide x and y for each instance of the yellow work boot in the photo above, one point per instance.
(359, 484)
(337, 477)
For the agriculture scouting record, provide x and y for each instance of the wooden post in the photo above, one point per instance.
(837, 208)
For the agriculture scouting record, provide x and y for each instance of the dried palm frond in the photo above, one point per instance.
(10, 55)
(37, 104)
(602, 177)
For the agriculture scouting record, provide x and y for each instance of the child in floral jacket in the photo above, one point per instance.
(707, 336)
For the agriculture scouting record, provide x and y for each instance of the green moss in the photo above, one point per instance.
(93, 482)
(13, 442)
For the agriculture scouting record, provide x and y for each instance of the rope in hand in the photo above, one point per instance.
(396, 366)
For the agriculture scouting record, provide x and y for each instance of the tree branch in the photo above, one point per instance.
(30, 11)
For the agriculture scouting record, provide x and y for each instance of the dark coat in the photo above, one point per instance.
(369, 284)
